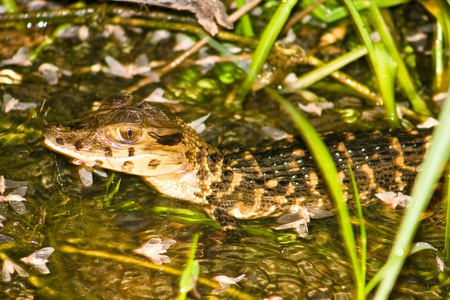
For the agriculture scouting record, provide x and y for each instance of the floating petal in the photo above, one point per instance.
(154, 248)
(39, 258)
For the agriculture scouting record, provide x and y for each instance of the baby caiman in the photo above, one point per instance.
(146, 139)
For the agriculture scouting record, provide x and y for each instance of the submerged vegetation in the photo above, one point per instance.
(328, 65)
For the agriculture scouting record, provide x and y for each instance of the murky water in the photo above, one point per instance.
(94, 235)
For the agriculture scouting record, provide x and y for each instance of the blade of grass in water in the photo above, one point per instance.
(268, 38)
(387, 68)
(329, 171)
(191, 271)
(387, 98)
(433, 166)
(404, 78)
(331, 13)
(312, 77)
(441, 11)
(10, 6)
(244, 26)
(447, 220)
(362, 228)
(438, 58)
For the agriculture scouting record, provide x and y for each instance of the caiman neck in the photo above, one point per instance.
(202, 166)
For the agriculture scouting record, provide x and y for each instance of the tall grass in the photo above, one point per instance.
(386, 53)
(328, 170)
(423, 189)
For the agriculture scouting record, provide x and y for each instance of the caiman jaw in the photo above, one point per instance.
(141, 139)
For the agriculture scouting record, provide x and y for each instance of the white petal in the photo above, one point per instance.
(7, 270)
(302, 229)
(183, 42)
(141, 64)
(403, 200)
(290, 78)
(226, 281)
(290, 37)
(167, 243)
(4, 239)
(100, 173)
(159, 35)
(289, 225)
(197, 124)
(50, 73)
(43, 253)
(317, 213)
(430, 122)
(9, 103)
(25, 105)
(15, 183)
(386, 196)
(90, 163)
(119, 33)
(154, 248)
(21, 190)
(157, 96)
(69, 32)
(20, 271)
(85, 176)
(38, 259)
(9, 267)
(274, 133)
(440, 96)
(77, 162)
(116, 68)
(2, 184)
(22, 56)
(13, 197)
(315, 108)
(440, 264)
(83, 32)
(18, 207)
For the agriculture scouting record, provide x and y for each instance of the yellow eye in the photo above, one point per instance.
(129, 134)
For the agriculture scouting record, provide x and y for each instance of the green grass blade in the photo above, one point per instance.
(433, 166)
(387, 68)
(447, 220)
(244, 26)
(10, 6)
(225, 52)
(403, 76)
(268, 38)
(378, 68)
(191, 271)
(362, 228)
(317, 74)
(329, 13)
(329, 172)
(441, 11)
(108, 197)
(438, 57)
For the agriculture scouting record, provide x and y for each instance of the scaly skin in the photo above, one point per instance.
(145, 139)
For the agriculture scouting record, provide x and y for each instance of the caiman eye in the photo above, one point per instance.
(128, 134)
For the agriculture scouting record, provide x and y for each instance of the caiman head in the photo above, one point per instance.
(125, 135)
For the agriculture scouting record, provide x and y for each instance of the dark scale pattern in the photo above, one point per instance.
(257, 180)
